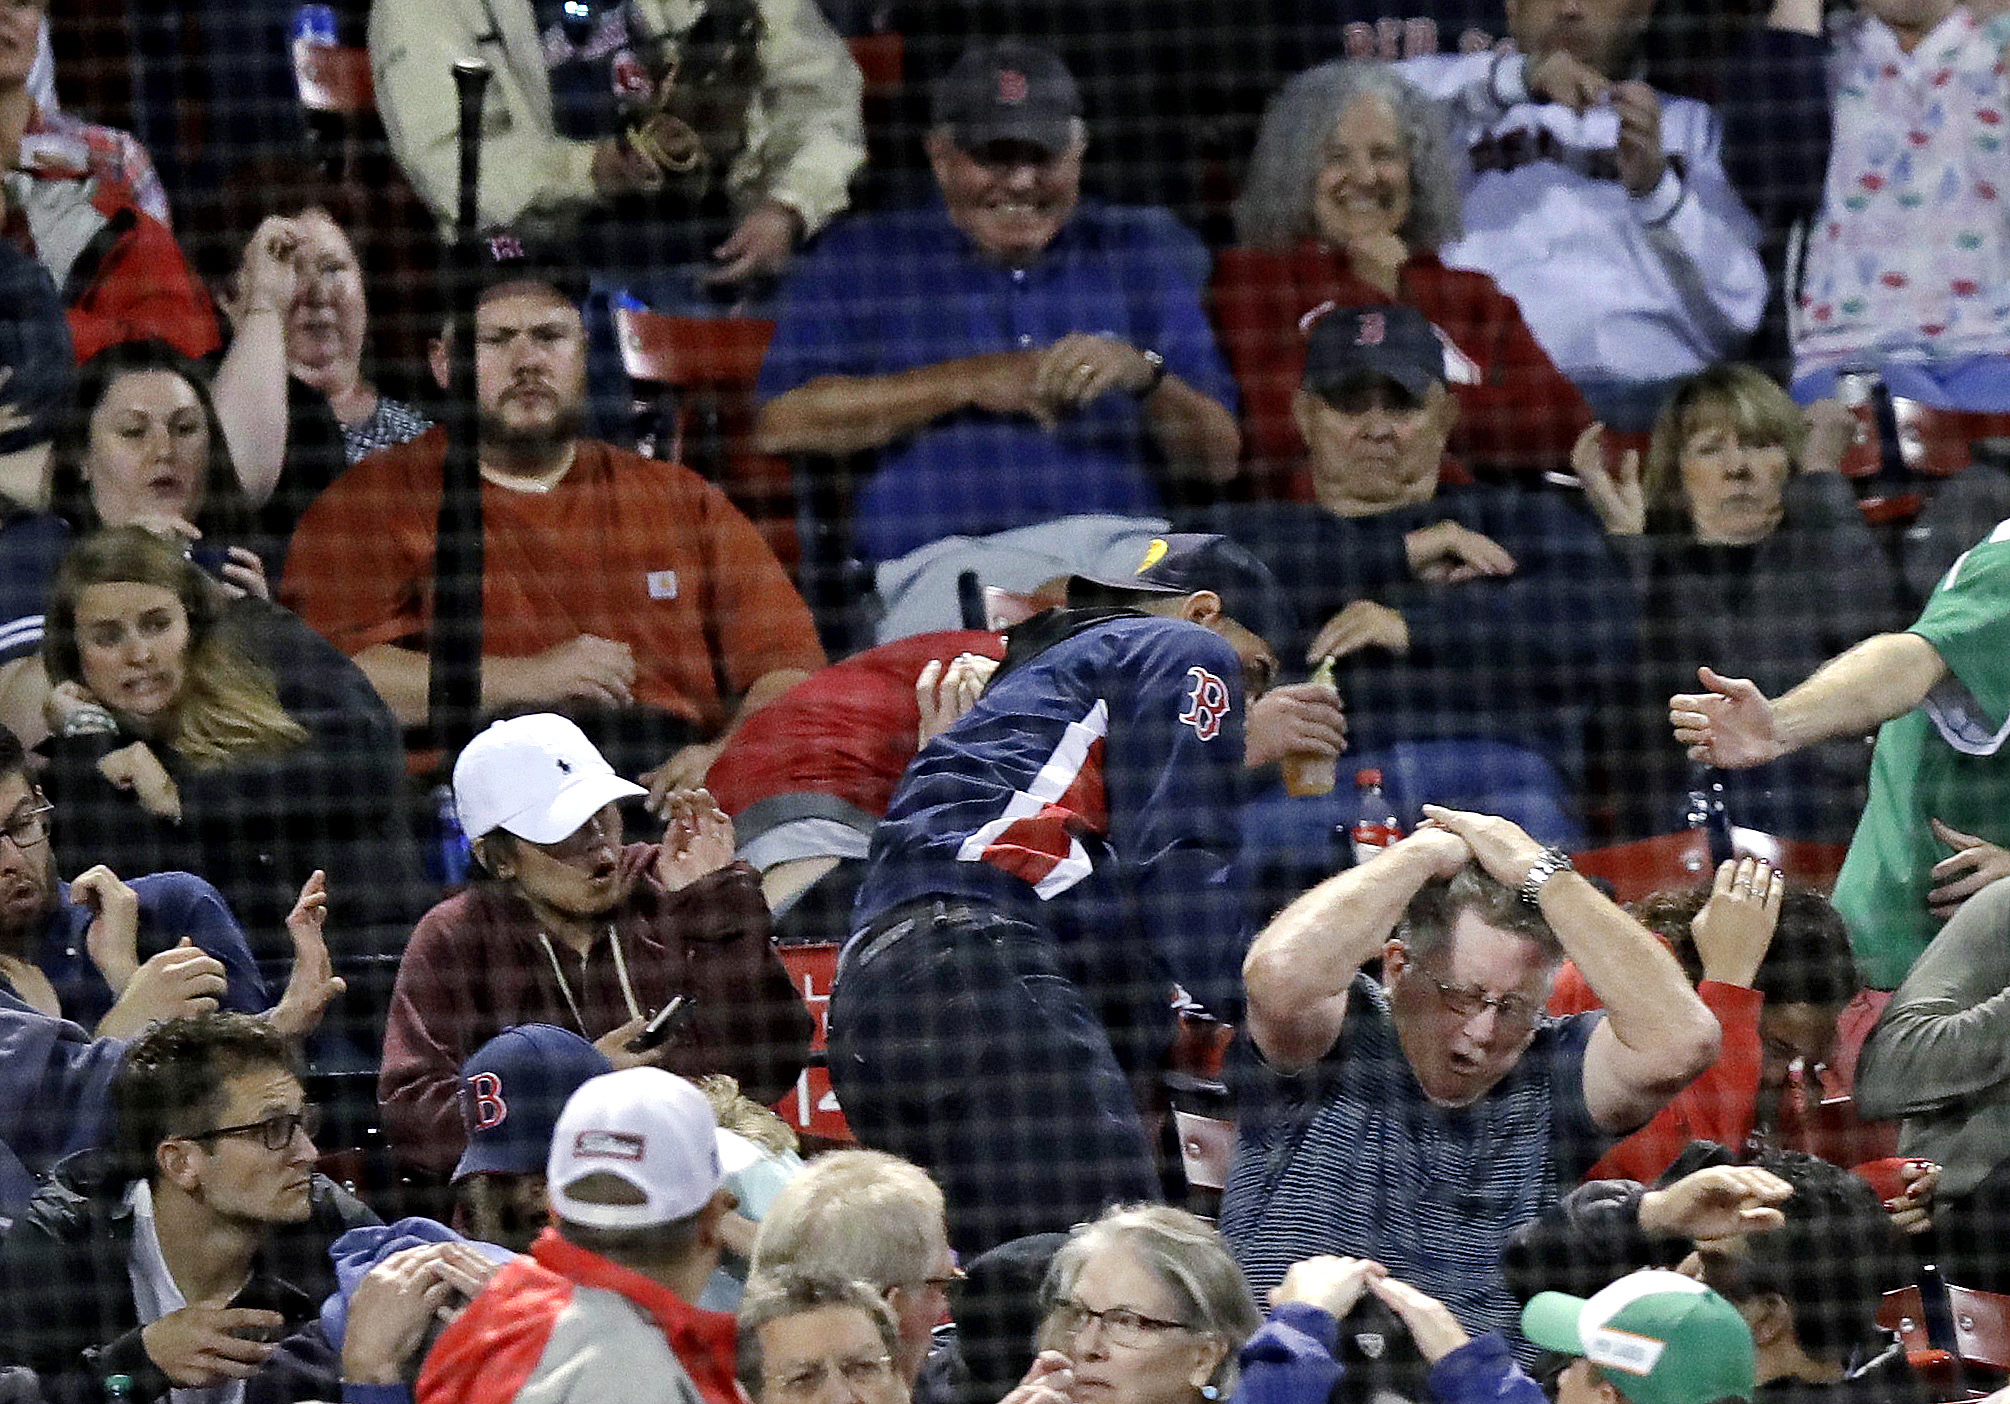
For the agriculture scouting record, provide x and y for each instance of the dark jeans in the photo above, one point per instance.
(964, 1047)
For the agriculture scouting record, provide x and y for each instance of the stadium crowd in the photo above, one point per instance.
(906, 936)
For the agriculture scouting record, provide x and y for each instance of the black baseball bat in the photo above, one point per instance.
(454, 653)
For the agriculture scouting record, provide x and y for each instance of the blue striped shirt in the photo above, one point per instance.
(1350, 1157)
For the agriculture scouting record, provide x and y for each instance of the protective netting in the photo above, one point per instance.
(938, 305)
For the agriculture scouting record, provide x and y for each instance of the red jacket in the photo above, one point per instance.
(565, 1309)
(1520, 414)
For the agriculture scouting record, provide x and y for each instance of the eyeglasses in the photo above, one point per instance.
(1515, 1013)
(276, 1131)
(947, 1282)
(1132, 1330)
(859, 1372)
(29, 827)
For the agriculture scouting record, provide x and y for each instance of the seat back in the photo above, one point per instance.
(693, 382)
(1682, 859)
(1981, 1327)
(1646, 866)
(811, 1107)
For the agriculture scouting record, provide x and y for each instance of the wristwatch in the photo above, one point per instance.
(1547, 865)
(1158, 365)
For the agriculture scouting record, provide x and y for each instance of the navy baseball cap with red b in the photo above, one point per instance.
(1008, 91)
(1181, 563)
(1350, 343)
(512, 1090)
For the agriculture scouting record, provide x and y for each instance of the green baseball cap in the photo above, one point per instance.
(1659, 1337)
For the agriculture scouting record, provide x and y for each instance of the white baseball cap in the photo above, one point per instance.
(649, 1128)
(536, 776)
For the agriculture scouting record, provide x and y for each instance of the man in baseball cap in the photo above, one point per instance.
(1186, 563)
(1103, 385)
(606, 1297)
(1650, 1338)
(1437, 599)
(512, 1091)
(1046, 870)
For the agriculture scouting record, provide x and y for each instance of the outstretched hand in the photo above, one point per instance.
(1722, 1201)
(1735, 929)
(313, 984)
(1730, 726)
(1617, 498)
(698, 839)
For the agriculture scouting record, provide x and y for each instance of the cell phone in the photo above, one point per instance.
(662, 1024)
(209, 559)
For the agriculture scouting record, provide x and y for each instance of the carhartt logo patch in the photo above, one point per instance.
(662, 584)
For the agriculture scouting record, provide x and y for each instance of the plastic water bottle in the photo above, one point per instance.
(1706, 811)
(1376, 826)
(452, 855)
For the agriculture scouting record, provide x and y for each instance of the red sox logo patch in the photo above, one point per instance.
(1206, 705)
(1011, 87)
(1374, 327)
(485, 1089)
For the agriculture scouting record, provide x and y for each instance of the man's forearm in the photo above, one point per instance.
(836, 414)
(1648, 1000)
(1300, 966)
(402, 677)
(1860, 690)
(1196, 431)
(1658, 1033)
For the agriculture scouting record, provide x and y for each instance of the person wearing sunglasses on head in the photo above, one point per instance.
(179, 1254)
(1417, 1119)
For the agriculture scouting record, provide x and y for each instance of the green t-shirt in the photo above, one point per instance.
(1944, 760)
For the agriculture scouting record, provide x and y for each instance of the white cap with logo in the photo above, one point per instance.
(536, 776)
(648, 1128)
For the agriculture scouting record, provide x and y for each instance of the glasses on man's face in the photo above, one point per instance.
(29, 825)
(1131, 1330)
(275, 1132)
(860, 1373)
(945, 1282)
(603, 828)
(1512, 1013)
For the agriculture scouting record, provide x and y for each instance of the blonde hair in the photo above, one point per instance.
(855, 1213)
(743, 1116)
(1759, 411)
(228, 705)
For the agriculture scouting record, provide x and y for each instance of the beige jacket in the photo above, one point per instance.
(805, 137)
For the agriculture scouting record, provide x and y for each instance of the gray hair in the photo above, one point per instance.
(778, 1296)
(857, 1214)
(1274, 210)
(1186, 1256)
(1428, 920)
